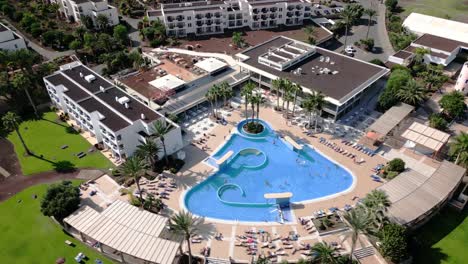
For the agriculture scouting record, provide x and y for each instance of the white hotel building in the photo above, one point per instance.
(213, 17)
(74, 10)
(9, 40)
(113, 117)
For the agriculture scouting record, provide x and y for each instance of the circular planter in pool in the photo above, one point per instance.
(243, 131)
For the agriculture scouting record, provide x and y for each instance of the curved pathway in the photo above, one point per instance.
(17, 181)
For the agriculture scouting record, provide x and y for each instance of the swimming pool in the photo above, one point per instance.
(262, 164)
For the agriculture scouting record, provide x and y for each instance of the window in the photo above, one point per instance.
(189, 18)
(189, 25)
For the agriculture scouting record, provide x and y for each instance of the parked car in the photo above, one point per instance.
(326, 12)
(317, 13)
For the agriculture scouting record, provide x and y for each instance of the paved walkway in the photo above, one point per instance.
(230, 60)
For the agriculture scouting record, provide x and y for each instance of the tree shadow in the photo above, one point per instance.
(71, 130)
(64, 166)
(441, 225)
(55, 123)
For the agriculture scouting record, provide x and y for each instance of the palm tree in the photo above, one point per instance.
(278, 84)
(377, 201)
(288, 97)
(323, 253)
(257, 100)
(370, 13)
(237, 39)
(286, 88)
(102, 21)
(296, 89)
(21, 81)
(215, 92)
(411, 92)
(184, 223)
(210, 97)
(225, 91)
(360, 222)
(11, 122)
(419, 53)
(246, 92)
(148, 151)
(459, 147)
(310, 31)
(133, 167)
(318, 106)
(347, 18)
(160, 129)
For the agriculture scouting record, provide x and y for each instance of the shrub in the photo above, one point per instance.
(453, 104)
(368, 44)
(391, 4)
(397, 165)
(60, 200)
(438, 122)
(394, 242)
(388, 98)
(391, 174)
(134, 201)
(129, 182)
(377, 62)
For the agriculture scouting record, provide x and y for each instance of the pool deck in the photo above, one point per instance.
(195, 170)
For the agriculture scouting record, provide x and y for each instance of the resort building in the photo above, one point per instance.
(9, 40)
(74, 10)
(111, 116)
(342, 79)
(214, 17)
(125, 233)
(420, 24)
(441, 50)
(176, 83)
(462, 82)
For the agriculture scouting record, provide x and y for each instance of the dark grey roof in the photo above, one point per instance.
(135, 109)
(74, 92)
(403, 54)
(439, 43)
(352, 73)
(111, 119)
(94, 86)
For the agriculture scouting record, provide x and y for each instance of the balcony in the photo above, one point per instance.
(273, 9)
(299, 7)
(255, 11)
(232, 23)
(264, 24)
(264, 10)
(272, 16)
(208, 15)
(264, 17)
(217, 21)
(199, 23)
(239, 16)
(289, 14)
(198, 16)
(180, 18)
(232, 17)
(239, 23)
(297, 13)
(290, 8)
(218, 29)
(307, 8)
(255, 18)
(217, 15)
(180, 25)
(209, 22)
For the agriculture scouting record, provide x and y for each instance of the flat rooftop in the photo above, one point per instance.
(441, 27)
(101, 95)
(439, 43)
(402, 54)
(345, 75)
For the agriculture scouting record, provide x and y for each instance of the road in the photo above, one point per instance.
(378, 32)
(46, 53)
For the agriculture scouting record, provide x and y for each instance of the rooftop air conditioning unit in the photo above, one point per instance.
(81, 74)
(123, 100)
(90, 78)
(102, 89)
(126, 105)
(143, 117)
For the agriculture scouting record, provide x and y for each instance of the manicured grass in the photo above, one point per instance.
(29, 237)
(45, 137)
(455, 9)
(444, 239)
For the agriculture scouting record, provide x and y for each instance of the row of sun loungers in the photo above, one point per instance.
(359, 147)
(335, 147)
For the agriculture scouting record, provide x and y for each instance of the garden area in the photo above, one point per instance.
(54, 145)
(30, 237)
(451, 9)
(444, 239)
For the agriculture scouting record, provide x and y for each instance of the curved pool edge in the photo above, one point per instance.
(182, 197)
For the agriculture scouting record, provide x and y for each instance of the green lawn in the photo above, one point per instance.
(29, 237)
(454, 9)
(45, 137)
(444, 239)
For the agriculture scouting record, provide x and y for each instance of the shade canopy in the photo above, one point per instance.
(426, 136)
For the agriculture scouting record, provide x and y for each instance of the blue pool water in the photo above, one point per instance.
(263, 164)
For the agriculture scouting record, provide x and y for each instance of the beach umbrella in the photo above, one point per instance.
(60, 261)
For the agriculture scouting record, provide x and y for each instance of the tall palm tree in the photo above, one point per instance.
(148, 151)
(370, 14)
(133, 167)
(288, 97)
(215, 91)
(257, 100)
(21, 81)
(225, 91)
(377, 201)
(160, 129)
(323, 253)
(309, 106)
(360, 222)
(286, 89)
(411, 92)
(246, 92)
(347, 18)
(459, 147)
(102, 21)
(184, 223)
(318, 105)
(210, 97)
(296, 90)
(237, 39)
(310, 31)
(11, 122)
(278, 84)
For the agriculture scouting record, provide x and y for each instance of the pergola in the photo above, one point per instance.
(126, 229)
(426, 136)
(390, 119)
